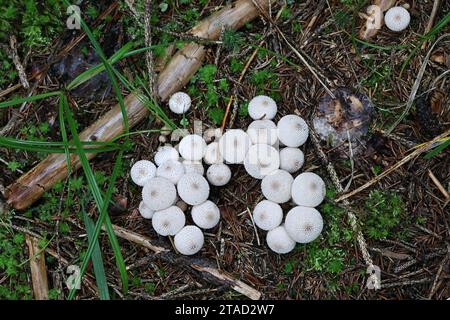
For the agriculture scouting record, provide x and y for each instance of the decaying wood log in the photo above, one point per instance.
(30, 187)
(38, 269)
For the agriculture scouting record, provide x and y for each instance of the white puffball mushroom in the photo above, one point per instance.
(303, 224)
(172, 170)
(206, 215)
(262, 107)
(212, 154)
(263, 131)
(179, 102)
(193, 167)
(142, 171)
(169, 221)
(267, 215)
(189, 240)
(276, 187)
(145, 211)
(397, 19)
(218, 174)
(292, 131)
(291, 159)
(193, 189)
(159, 193)
(261, 160)
(308, 189)
(192, 147)
(279, 241)
(233, 145)
(165, 153)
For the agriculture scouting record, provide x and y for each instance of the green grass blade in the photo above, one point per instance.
(17, 101)
(101, 203)
(97, 260)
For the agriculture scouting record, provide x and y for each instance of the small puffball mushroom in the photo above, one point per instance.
(233, 145)
(192, 147)
(218, 174)
(145, 211)
(291, 159)
(397, 19)
(303, 224)
(193, 189)
(206, 215)
(169, 221)
(179, 102)
(292, 131)
(165, 153)
(189, 240)
(159, 193)
(172, 170)
(142, 171)
(308, 189)
(261, 160)
(263, 131)
(276, 187)
(194, 167)
(212, 154)
(279, 241)
(262, 107)
(267, 215)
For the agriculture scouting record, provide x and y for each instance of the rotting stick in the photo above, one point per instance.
(38, 269)
(30, 187)
(219, 276)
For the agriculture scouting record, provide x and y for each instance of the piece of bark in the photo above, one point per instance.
(30, 187)
(38, 268)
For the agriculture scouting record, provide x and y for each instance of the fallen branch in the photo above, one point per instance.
(422, 148)
(38, 268)
(30, 187)
(199, 265)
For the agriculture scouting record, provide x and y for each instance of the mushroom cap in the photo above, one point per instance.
(276, 187)
(262, 107)
(192, 147)
(292, 131)
(303, 224)
(189, 240)
(159, 193)
(165, 153)
(179, 102)
(267, 215)
(263, 131)
(206, 215)
(308, 189)
(291, 159)
(169, 221)
(212, 154)
(193, 188)
(142, 171)
(145, 211)
(193, 167)
(279, 241)
(233, 145)
(261, 160)
(397, 19)
(218, 174)
(172, 170)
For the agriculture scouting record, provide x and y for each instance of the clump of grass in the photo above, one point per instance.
(384, 213)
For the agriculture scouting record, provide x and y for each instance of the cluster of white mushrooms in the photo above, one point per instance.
(177, 180)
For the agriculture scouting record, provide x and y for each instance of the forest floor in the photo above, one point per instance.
(403, 217)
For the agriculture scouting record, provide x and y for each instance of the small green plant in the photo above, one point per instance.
(384, 213)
